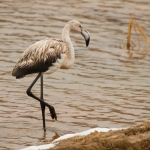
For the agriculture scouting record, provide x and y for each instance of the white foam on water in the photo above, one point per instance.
(66, 136)
(41, 147)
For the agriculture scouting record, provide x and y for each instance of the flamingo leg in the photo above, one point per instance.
(51, 108)
(42, 105)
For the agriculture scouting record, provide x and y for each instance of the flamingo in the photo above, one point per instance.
(49, 54)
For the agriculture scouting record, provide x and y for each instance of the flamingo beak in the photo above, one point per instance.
(86, 36)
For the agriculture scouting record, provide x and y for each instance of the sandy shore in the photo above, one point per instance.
(134, 138)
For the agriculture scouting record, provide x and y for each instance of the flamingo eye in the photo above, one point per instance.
(80, 26)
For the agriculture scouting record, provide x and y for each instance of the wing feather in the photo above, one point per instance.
(40, 57)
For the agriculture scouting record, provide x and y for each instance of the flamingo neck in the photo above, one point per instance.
(66, 38)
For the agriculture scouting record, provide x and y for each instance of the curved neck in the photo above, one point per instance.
(66, 38)
(66, 33)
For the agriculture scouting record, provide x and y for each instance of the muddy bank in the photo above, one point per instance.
(134, 138)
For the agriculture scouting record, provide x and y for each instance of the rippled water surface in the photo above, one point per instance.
(104, 88)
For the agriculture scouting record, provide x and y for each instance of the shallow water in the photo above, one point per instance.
(104, 88)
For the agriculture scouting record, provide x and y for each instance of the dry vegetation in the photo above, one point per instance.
(138, 43)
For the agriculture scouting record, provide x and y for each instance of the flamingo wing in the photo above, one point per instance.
(41, 56)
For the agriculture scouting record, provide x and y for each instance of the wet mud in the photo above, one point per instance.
(134, 138)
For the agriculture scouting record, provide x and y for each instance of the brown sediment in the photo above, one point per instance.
(134, 138)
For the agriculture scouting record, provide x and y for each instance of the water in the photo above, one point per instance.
(104, 88)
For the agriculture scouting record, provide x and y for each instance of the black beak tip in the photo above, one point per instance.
(87, 42)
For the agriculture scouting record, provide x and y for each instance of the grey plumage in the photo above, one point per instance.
(39, 57)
